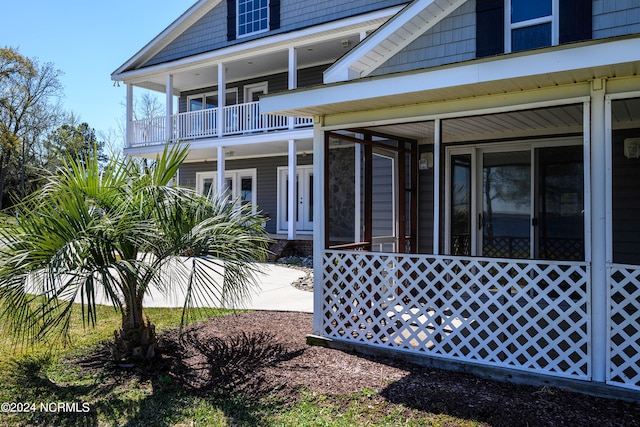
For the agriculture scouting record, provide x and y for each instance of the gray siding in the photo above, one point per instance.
(306, 13)
(451, 40)
(277, 83)
(266, 175)
(615, 18)
(210, 32)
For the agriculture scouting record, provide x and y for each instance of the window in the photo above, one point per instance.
(253, 16)
(530, 24)
(210, 100)
(240, 185)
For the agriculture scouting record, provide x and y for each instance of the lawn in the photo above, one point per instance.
(254, 369)
(76, 384)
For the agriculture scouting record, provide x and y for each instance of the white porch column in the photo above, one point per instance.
(292, 193)
(220, 174)
(292, 77)
(169, 107)
(598, 231)
(129, 119)
(358, 186)
(318, 223)
(222, 97)
(437, 137)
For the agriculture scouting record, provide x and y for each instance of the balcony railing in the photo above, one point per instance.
(240, 119)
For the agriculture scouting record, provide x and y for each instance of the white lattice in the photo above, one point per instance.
(624, 332)
(529, 315)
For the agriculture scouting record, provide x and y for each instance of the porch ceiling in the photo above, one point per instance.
(556, 121)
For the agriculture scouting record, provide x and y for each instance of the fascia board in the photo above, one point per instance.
(264, 45)
(192, 15)
(507, 67)
(346, 67)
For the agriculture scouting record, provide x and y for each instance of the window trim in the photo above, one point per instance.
(239, 34)
(235, 174)
(554, 19)
(203, 97)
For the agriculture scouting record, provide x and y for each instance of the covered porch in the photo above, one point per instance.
(500, 238)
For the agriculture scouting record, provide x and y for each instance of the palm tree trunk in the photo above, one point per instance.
(136, 339)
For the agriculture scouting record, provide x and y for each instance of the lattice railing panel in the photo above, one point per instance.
(624, 332)
(522, 314)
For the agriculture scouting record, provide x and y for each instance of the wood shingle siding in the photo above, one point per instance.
(451, 40)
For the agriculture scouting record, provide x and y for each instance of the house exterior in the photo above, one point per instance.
(480, 164)
(245, 49)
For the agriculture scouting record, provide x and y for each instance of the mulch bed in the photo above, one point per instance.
(265, 354)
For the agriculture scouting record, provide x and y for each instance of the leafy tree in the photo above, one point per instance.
(122, 231)
(75, 142)
(28, 110)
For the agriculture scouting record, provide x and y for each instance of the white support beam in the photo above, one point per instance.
(598, 203)
(292, 203)
(169, 107)
(358, 198)
(222, 97)
(220, 174)
(129, 119)
(292, 76)
(437, 137)
(319, 159)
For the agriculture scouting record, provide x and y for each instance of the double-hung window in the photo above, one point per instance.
(531, 24)
(253, 16)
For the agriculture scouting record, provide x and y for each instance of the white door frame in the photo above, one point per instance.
(303, 224)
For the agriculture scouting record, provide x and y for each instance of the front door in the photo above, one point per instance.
(303, 198)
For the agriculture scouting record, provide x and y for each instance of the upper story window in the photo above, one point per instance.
(504, 26)
(530, 24)
(253, 16)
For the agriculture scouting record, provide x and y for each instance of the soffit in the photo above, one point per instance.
(413, 21)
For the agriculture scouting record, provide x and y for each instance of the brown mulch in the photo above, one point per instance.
(265, 354)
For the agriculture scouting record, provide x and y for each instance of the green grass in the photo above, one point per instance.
(123, 398)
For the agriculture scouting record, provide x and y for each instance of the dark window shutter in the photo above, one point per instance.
(231, 20)
(274, 14)
(489, 27)
(575, 20)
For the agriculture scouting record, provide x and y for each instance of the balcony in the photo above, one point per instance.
(240, 119)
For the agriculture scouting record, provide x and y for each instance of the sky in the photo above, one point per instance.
(87, 40)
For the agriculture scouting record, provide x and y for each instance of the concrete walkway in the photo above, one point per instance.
(275, 293)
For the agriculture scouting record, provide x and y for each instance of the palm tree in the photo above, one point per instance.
(122, 231)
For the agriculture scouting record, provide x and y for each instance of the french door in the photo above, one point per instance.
(303, 198)
(522, 200)
(239, 185)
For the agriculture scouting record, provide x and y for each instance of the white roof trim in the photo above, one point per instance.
(186, 20)
(413, 21)
(263, 45)
(557, 60)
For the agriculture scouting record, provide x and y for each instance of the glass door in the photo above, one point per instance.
(505, 193)
(524, 201)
